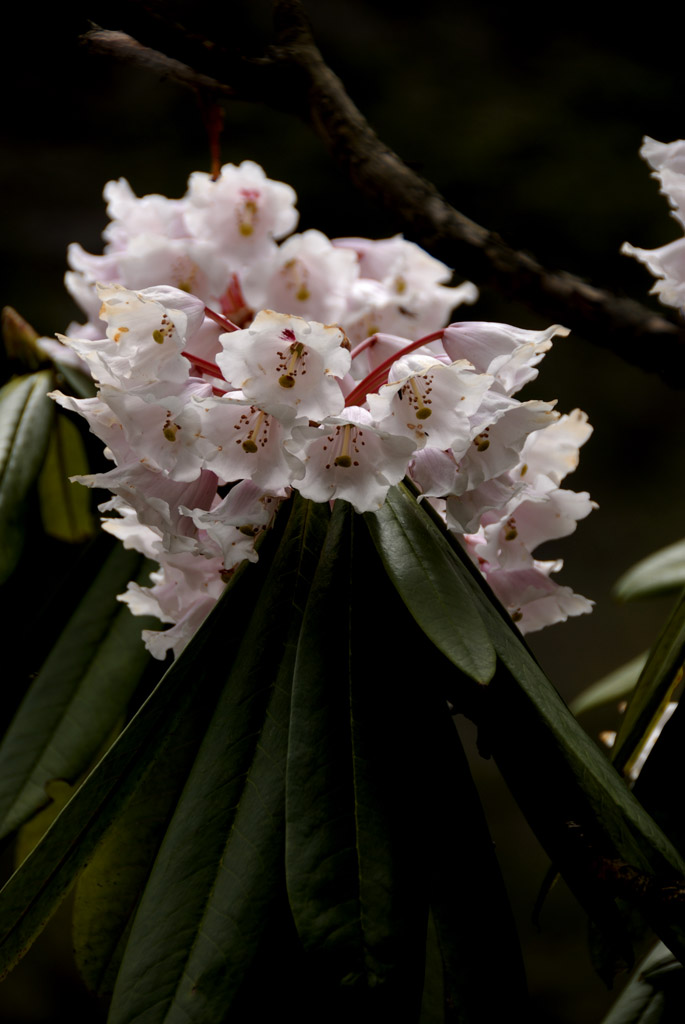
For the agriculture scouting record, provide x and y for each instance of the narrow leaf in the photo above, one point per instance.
(575, 800)
(108, 891)
(357, 855)
(218, 875)
(80, 692)
(65, 507)
(431, 585)
(174, 715)
(25, 417)
(475, 929)
(660, 573)
(612, 688)
(658, 680)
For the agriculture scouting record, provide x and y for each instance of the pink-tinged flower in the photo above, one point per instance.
(349, 457)
(185, 263)
(554, 452)
(528, 520)
(242, 212)
(429, 401)
(144, 341)
(239, 441)
(401, 290)
(509, 354)
(234, 523)
(287, 366)
(306, 276)
(465, 513)
(499, 430)
(156, 501)
(533, 599)
(131, 215)
(185, 589)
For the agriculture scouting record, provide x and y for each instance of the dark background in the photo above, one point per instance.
(530, 126)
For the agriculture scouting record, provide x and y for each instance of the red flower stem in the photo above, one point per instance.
(366, 343)
(211, 369)
(222, 321)
(379, 376)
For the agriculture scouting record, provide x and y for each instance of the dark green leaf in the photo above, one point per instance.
(25, 418)
(175, 715)
(576, 802)
(219, 873)
(431, 585)
(368, 816)
(109, 890)
(65, 507)
(79, 694)
(357, 896)
(475, 929)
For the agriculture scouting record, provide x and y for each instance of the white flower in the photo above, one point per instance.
(286, 365)
(668, 262)
(349, 457)
(508, 353)
(212, 415)
(430, 401)
(241, 212)
(307, 276)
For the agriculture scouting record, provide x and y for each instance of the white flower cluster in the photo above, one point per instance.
(668, 262)
(212, 415)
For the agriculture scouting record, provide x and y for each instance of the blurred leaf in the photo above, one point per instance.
(660, 573)
(79, 693)
(173, 717)
(25, 419)
(78, 383)
(65, 507)
(426, 580)
(657, 681)
(612, 688)
(219, 873)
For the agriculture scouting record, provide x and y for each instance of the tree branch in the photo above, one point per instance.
(130, 51)
(293, 76)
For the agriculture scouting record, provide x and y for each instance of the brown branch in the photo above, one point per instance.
(129, 50)
(294, 77)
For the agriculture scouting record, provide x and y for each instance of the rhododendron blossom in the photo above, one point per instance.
(232, 371)
(668, 262)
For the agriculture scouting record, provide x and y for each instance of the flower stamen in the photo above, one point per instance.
(250, 443)
(287, 380)
(344, 460)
